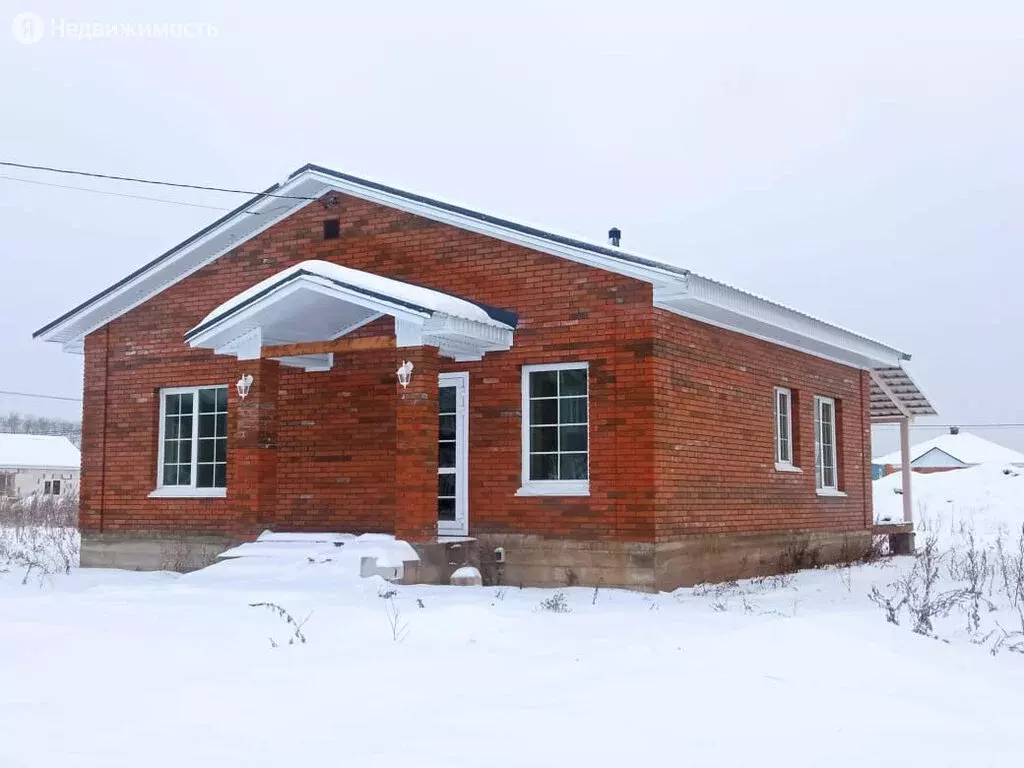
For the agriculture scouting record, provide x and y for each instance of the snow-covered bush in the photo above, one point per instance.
(39, 534)
(980, 581)
(555, 604)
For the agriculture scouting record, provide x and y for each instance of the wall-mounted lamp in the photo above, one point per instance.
(243, 385)
(405, 373)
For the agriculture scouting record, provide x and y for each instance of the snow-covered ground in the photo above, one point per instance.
(107, 668)
(988, 498)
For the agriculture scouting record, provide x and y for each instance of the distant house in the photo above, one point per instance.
(955, 450)
(38, 464)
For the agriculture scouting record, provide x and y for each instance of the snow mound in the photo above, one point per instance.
(988, 498)
(290, 557)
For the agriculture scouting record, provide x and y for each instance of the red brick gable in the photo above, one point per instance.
(335, 429)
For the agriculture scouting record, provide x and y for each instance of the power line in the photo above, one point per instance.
(1000, 425)
(121, 194)
(135, 180)
(41, 397)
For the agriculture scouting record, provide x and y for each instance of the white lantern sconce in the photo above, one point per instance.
(405, 373)
(243, 385)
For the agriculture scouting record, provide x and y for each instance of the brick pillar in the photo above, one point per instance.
(416, 447)
(94, 433)
(252, 449)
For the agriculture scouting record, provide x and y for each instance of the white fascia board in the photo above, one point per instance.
(230, 324)
(647, 273)
(175, 268)
(726, 307)
(313, 184)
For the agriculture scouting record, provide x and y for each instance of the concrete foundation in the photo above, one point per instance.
(536, 561)
(440, 559)
(152, 551)
(664, 566)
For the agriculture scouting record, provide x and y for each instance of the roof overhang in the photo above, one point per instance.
(718, 304)
(895, 396)
(318, 301)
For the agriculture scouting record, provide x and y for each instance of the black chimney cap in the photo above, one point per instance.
(954, 430)
(614, 236)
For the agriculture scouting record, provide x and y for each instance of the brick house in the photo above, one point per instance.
(589, 415)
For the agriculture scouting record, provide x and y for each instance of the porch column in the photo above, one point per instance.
(416, 446)
(908, 507)
(252, 449)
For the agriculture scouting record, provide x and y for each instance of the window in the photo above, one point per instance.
(193, 441)
(55, 488)
(555, 431)
(332, 229)
(825, 444)
(6, 484)
(783, 427)
(46, 488)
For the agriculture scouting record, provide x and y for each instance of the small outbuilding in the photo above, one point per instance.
(47, 465)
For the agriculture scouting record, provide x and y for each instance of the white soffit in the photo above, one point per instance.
(722, 305)
(320, 301)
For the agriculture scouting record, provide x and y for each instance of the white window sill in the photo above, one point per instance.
(831, 492)
(189, 493)
(781, 466)
(554, 488)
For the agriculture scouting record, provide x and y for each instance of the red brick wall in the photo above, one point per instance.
(334, 441)
(714, 434)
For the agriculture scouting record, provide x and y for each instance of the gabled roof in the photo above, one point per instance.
(19, 451)
(319, 301)
(963, 446)
(675, 289)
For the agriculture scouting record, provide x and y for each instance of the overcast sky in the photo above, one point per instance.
(861, 163)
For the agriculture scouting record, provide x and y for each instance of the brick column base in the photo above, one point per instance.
(252, 449)
(416, 447)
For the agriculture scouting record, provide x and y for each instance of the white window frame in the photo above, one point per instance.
(183, 491)
(550, 487)
(819, 459)
(783, 464)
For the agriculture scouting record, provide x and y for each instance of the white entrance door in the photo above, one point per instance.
(453, 454)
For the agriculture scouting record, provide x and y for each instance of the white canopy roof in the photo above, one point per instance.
(38, 452)
(320, 301)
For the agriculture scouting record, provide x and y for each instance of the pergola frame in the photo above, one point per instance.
(896, 399)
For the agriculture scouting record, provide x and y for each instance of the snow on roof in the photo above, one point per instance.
(415, 297)
(38, 452)
(963, 446)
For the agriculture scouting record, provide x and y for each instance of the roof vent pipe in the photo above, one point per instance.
(954, 430)
(614, 235)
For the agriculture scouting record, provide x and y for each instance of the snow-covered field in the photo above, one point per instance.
(105, 668)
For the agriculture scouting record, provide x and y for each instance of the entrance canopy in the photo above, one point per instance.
(316, 301)
(895, 396)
